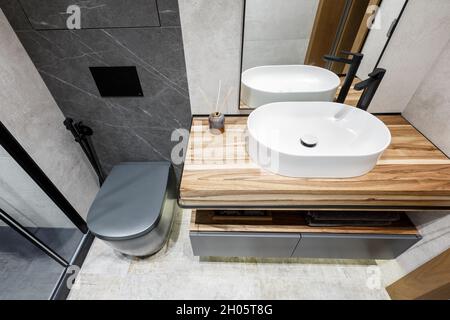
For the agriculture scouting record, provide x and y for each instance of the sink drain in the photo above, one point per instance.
(309, 141)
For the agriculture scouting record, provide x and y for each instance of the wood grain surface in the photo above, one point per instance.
(412, 173)
(287, 222)
(430, 281)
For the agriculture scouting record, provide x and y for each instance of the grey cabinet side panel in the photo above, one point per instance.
(340, 246)
(234, 244)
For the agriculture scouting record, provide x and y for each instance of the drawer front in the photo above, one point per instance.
(235, 244)
(343, 246)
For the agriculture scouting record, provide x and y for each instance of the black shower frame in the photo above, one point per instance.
(24, 160)
(13, 147)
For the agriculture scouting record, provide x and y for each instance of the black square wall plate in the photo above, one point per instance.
(117, 81)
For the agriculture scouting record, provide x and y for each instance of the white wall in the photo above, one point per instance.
(212, 37)
(429, 108)
(429, 112)
(419, 39)
(376, 39)
(30, 113)
(277, 32)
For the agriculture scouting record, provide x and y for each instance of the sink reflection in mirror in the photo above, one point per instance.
(303, 50)
(267, 84)
(315, 139)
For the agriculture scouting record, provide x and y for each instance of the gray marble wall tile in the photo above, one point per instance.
(429, 108)
(126, 129)
(168, 12)
(419, 38)
(51, 14)
(16, 16)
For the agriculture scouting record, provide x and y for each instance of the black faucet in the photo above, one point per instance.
(370, 87)
(354, 63)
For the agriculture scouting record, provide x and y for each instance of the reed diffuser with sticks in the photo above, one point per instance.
(217, 118)
(216, 123)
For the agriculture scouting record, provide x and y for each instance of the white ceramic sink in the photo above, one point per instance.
(316, 139)
(268, 84)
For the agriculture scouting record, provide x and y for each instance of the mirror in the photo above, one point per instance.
(285, 42)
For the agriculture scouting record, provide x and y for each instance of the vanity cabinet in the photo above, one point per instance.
(354, 246)
(240, 244)
(286, 234)
(218, 175)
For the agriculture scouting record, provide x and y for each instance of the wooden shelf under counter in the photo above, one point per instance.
(287, 222)
(412, 174)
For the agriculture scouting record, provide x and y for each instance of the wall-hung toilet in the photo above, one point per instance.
(134, 208)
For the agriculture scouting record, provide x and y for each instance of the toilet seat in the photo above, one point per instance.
(130, 202)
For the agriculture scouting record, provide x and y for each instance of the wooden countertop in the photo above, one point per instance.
(412, 174)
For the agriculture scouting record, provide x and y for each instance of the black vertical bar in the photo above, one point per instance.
(391, 33)
(242, 53)
(157, 11)
(61, 291)
(339, 31)
(13, 147)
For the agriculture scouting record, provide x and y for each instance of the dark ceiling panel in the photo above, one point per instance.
(13, 11)
(51, 14)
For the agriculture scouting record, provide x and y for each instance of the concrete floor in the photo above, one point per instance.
(174, 273)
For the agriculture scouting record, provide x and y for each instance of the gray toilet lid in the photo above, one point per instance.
(129, 203)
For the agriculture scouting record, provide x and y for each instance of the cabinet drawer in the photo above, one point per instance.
(353, 246)
(236, 244)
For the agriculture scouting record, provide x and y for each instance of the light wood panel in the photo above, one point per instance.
(363, 31)
(286, 222)
(350, 31)
(431, 281)
(411, 174)
(324, 31)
